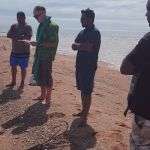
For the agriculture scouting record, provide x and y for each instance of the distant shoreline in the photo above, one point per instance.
(60, 52)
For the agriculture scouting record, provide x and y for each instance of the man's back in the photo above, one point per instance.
(139, 95)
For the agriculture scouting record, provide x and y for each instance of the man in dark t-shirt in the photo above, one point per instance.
(20, 49)
(87, 44)
(137, 63)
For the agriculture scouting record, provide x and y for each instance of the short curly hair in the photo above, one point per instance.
(89, 13)
(21, 14)
(148, 5)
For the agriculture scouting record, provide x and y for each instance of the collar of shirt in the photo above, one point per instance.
(90, 28)
(47, 19)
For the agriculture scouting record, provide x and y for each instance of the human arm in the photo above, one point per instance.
(138, 59)
(82, 46)
(127, 68)
(12, 33)
(92, 42)
(28, 33)
(23, 36)
(44, 44)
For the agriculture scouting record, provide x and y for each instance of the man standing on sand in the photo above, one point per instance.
(87, 44)
(20, 50)
(46, 46)
(137, 63)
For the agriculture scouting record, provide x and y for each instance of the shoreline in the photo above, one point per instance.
(100, 62)
(72, 54)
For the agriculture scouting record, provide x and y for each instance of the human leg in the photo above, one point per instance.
(13, 64)
(42, 95)
(49, 84)
(86, 103)
(45, 80)
(23, 76)
(23, 63)
(13, 76)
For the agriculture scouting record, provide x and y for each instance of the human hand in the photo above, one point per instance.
(75, 46)
(33, 43)
(25, 41)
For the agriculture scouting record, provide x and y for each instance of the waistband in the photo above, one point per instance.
(20, 55)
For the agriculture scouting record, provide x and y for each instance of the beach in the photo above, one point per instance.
(27, 124)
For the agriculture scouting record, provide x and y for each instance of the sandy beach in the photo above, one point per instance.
(26, 124)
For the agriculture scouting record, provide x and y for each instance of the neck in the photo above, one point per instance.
(89, 26)
(21, 24)
(43, 18)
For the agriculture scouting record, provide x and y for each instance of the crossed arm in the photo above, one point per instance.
(12, 34)
(83, 46)
(127, 68)
(44, 44)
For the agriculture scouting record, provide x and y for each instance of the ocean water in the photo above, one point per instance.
(121, 22)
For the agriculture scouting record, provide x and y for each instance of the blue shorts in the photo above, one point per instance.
(19, 60)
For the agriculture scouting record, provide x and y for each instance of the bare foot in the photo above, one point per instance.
(21, 87)
(48, 101)
(39, 98)
(78, 114)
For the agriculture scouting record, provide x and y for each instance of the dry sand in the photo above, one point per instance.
(26, 124)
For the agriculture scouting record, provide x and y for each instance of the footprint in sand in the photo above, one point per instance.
(3, 72)
(119, 146)
(58, 82)
(56, 115)
(98, 111)
(116, 136)
(118, 103)
(71, 93)
(121, 124)
(100, 95)
(113, 135)
(78, 107)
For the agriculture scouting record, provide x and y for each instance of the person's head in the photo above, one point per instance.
(148, 11)
(39, 13)
(21, 17)
(87, 17)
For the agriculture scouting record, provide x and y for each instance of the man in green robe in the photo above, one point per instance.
(46, 46)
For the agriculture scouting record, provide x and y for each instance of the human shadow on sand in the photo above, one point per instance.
(35, 115)
(77, 138)
(58, 137)
(9, 94)
(81, 137)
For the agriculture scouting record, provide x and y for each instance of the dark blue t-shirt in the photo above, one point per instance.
(91, 35)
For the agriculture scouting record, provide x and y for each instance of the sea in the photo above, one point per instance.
(121, 22)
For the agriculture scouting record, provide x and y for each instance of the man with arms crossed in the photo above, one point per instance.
(87, 44)
(20, 50)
